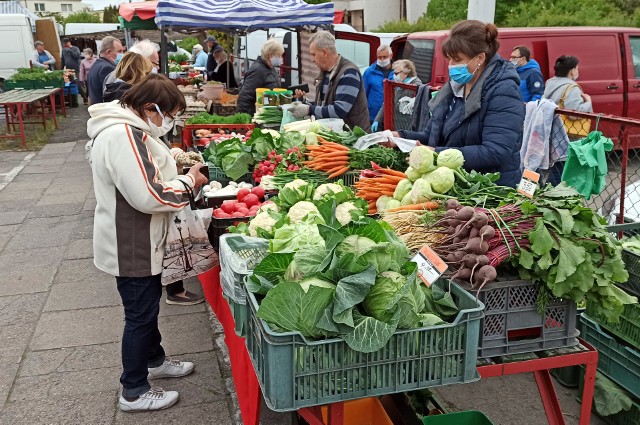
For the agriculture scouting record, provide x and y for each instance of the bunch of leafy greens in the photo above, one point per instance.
(353, 281)
(234, 156)
(573, 253)
(265, 141)
(206, 118)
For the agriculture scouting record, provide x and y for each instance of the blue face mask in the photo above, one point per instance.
(460, 73)
(118, 58)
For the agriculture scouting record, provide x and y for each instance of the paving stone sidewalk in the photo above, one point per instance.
(61, 319)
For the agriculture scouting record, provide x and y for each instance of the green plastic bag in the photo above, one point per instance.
(586, 166)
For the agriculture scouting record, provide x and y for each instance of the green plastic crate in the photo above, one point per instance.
(349, 178)
(240, 314)
(459, 418)
(628, 329)
(216, 174)
(294, 372)
(239, 255)
(629, 417)
(632, 262)
(58, 83)
(619, 362)
(10, 85)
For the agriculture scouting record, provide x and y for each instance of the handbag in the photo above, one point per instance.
(188, 251)
(578, 127)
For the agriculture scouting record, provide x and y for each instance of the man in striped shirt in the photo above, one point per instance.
(339, 89)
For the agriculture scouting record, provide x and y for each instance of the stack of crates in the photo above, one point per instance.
(618, 344)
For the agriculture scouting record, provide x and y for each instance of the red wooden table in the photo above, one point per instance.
(16, 103)
(248, 388)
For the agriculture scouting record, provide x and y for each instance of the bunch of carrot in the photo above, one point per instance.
(329, 157)
(375, 183)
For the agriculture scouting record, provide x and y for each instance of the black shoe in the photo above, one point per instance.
(188, 299)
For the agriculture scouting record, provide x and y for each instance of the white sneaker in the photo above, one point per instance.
(154, 399)
(170, 369)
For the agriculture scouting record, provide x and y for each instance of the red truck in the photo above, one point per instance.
(609, 59)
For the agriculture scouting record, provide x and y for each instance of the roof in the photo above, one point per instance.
(16, 8)
(241, 14)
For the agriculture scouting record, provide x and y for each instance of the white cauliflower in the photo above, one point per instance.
(268, 206)
(302, 210)
(327, 189)
(343, 212)
(261, 221)
(295, 184)
(274, 134)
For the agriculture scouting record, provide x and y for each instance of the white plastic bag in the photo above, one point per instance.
(365, 142)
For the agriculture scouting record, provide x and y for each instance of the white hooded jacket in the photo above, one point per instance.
(137, 189)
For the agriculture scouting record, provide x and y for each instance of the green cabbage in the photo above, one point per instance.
(402, 189)
(292, 237)
(393, 203)
(442, 179)
(384, 295)
(381, 203)
(422, 159)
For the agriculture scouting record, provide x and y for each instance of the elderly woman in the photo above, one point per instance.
(42, 58)
(137, 189)
(132, 69)
(262, 74)
(223, 72)
(404, 71)
(199, 56)
(480, 111)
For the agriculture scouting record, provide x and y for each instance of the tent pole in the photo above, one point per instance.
(164, 55)
(299, 56)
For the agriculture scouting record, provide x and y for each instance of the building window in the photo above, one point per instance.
(67, 7)
(39, 7)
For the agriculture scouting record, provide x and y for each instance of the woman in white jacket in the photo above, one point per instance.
(137, 189)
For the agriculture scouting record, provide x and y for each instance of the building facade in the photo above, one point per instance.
(367, 15)
(64, 7)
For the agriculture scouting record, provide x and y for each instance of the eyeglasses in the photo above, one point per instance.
(516, 57)
(155, 63)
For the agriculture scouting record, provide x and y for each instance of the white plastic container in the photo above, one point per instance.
(335, 124)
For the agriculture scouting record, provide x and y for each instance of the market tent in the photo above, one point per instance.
(241, 14)
(138, 15)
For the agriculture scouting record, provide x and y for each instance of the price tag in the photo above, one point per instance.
(430, 265)
(529, 183)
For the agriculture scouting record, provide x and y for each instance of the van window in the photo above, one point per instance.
(420, 52)
(635, 52)
(356, 51)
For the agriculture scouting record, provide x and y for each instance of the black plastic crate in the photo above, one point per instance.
(220, 226)
(512, 324)
(632, 262)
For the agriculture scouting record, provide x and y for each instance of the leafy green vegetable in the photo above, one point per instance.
(384, 157)
(609, 398)
(234, 157)
(294, 192)
(206, 118)
(292, 237)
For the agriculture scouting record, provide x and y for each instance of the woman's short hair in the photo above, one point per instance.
(271, 47)
(221, 53)
(406, 66)
(471, 38)
(564, 64)
(88, 51)
(133, 67)
(155, 89)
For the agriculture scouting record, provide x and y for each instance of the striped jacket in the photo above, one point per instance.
(137, 189)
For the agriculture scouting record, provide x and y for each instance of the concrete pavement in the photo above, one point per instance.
(61, 319)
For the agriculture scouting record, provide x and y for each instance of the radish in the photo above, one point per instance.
(465, 214)
(477, 246)
(478, 220)
(450, 213)
(469, 260)
(487, 233)
(481, 260)
(485, 275)
(452, 204)
(462, 274)
(474, 233)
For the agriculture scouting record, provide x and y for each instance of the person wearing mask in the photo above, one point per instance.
(111, 52)
(42, 58)
(131, 70)
(223, 71)
(563, 90)
(373, 78)
(340, 91)
(261, 74)
(480, 110)
(199, 56)
(564, 83)
(85, 67)
(71, 56)
(404, 72)
(137, 190)
(531, 79)
(148, 50)
(212, 46)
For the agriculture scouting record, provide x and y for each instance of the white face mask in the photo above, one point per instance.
(383, 64)
(276, 61)
(167, 125)
(154, 70)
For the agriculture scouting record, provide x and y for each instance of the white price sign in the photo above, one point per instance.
(430, 265)
(529, 183)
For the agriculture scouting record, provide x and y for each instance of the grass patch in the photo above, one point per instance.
(36, 136)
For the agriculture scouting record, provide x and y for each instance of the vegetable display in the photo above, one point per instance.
(336, 159)
(269, 115)
(350, 272)
(206, 118)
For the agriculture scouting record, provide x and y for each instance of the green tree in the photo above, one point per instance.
(57, 16)
(110, 14)
(84, 16)
(541, 13)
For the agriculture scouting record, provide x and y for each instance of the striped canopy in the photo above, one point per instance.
(241, 14)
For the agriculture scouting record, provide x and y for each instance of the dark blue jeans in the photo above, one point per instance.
(141, 347)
